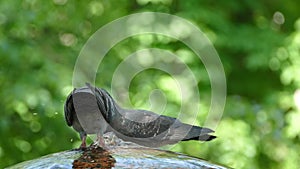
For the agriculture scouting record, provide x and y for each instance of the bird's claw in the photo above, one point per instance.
(99, 143)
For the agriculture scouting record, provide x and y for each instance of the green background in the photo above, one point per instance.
(258, 43)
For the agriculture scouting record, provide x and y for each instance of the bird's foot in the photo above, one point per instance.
(99, 143)
(82, 146)
(96, 145)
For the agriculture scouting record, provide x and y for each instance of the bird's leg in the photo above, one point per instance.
(83, 140)
(100, 139)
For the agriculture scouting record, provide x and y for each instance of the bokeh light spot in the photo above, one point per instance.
(60, 2)
(96, 8)
(21, 108)
(274, 64)
(67, 39)
(35, 126)
(278, 18)
(297, 98)
(22, 145)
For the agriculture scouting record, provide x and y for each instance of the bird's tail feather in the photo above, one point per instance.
(199, 133)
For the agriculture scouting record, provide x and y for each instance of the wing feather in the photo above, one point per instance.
(69, 109)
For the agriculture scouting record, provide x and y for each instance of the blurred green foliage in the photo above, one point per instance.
(258, 43)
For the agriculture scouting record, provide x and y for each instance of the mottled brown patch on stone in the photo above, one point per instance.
(94, 157)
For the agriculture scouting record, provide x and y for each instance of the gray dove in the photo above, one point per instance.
(92, 110)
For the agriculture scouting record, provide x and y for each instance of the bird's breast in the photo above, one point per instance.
(88, 114)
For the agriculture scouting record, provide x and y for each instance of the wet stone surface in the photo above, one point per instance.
(121, 157)
(118, 154)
